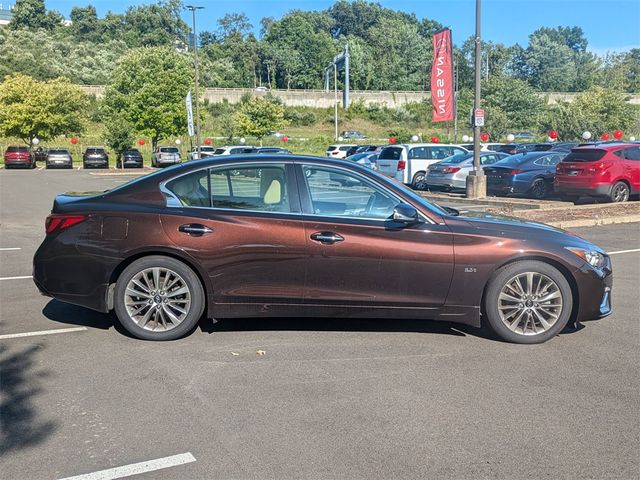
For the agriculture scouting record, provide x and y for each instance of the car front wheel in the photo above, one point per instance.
(158, 298)
(528, 302)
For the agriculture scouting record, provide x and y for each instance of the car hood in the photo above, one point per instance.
(507, 223)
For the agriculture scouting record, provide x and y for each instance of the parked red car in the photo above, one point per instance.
(17, 156)
(610, 170)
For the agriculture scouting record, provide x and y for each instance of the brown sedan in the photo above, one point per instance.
(273, 236)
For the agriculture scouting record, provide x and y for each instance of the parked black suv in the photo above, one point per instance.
(95, 157)
(40, 154)
(132, 158)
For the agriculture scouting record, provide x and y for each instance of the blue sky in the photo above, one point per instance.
(608, 24)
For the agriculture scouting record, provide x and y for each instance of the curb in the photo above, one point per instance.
(592, 222)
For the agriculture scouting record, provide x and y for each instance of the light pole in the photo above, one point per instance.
(476, 181)
(193, 9)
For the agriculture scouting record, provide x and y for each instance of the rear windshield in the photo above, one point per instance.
(95, 150)
(458, 158)
(345, 148)
(17, 149)
(58, 151)
(391, 153)
(585, 155)
(169, 150)
(331, 147)
(132, 152)
(219, 151)
(516, 159)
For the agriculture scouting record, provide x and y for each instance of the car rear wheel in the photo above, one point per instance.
(419, 181)
(528, 302)
(619, 192)
(158, 298)
(539, 189)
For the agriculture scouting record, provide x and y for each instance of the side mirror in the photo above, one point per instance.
(403, 213)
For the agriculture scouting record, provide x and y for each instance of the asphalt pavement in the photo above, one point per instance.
(305, 398)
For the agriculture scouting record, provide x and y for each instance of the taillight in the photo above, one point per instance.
(515, 172)
(450, 169)
(597, 168)
(402, 164)
(60, 222)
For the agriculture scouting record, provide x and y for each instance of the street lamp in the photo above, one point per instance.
(193, 9)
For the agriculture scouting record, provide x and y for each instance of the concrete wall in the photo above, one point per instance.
(321, 99)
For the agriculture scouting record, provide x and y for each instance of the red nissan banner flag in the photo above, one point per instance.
(442, 77)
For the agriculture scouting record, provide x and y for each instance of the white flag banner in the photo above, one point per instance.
(190, 115)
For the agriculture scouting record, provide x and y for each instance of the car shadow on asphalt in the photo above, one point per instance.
(381, 325)
(69, 314)
(20, 422)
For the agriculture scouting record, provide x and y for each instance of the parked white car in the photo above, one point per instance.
(339, 150)
(164, 156)
(409, 163)
(234, 150)
(205, 151)
(484, 147)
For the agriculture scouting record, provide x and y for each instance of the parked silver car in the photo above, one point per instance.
(59, 158)
(205, 151)
(165, 156)
(452, 173)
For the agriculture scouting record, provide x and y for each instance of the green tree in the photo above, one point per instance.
(29, 108)
(148, 90)
(32, 14)
(511, 105)
(84, 23)
(119, 135)
(258, 116)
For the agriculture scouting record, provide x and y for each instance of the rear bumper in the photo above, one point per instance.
(18, 162)
(509, 186)
(446, 181)
(602, 190)
(95, 162)
(61, 271)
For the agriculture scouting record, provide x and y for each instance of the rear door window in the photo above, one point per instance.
(633, 153)
(261, 188)
(420, 152)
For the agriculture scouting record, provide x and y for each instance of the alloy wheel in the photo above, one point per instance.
(157, 299)
(620, 193)
(530, 303)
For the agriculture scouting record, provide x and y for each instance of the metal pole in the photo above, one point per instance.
(455, 101)
(476, 101)
(197, 81)
(345, 95)
(335, 97)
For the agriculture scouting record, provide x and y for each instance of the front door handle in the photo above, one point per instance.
(326, 238)
(195, 229)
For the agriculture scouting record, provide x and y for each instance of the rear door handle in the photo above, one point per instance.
(195, 229)
(326, 238)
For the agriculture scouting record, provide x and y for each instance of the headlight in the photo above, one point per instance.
(592, 257)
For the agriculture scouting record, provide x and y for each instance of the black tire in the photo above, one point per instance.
(191, 281)
(539, 189)
(503, 276)
(620, 192)
(419, 181)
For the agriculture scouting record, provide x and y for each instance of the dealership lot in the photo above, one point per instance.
(305, 398)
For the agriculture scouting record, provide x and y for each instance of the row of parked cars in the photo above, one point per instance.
(599, 169)
(97, 157)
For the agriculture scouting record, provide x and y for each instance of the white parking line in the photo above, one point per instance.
(7, 249)
(79, 168)
(42, 332)
(136, 468)
(40, 168)
(624, 251)
(25, 277)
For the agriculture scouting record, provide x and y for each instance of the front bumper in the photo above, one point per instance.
(595, 289)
